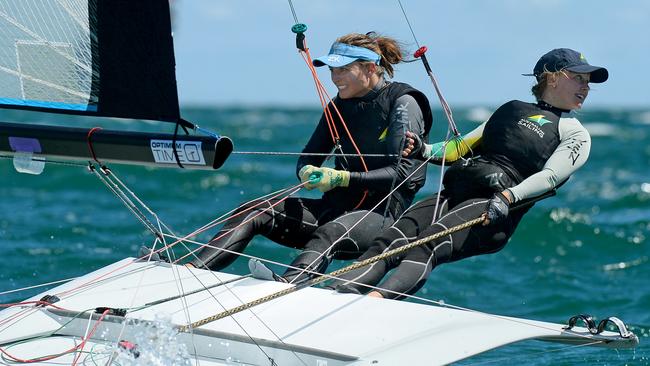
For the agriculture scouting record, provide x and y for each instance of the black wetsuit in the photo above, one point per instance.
(526, 148)
(377, 122)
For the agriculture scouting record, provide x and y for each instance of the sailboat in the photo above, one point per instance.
(115, 59)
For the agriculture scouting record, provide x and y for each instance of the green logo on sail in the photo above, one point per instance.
(539, 119)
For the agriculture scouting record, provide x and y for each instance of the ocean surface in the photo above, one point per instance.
(586, 250)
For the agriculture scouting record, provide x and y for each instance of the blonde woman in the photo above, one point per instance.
(526, 150)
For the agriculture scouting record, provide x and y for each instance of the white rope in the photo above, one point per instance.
(335, 242)
(37, 286)
(163, 229)
(314, 154)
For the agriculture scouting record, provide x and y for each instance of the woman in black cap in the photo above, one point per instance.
(377, 114)
(526, 150)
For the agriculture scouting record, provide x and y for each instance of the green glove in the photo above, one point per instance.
(432, 150)
(326, 179)
(305, 172)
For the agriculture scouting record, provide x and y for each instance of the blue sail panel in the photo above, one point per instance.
(40, 104)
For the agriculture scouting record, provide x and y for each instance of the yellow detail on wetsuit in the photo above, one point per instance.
(455, 148)
(383, 135)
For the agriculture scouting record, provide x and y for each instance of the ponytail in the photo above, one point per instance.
(390, 50)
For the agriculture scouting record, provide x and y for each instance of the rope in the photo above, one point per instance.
(37, 286)
(77, 348)
(313, 154)
(420, 53)
(290, 191)
(409, 23)
(328, 106)
(293, 12)
(90, 143)
(360, 221)
(336, 273)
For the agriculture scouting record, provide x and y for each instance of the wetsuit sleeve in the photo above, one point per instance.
(319, 142)
(569, 156)
(405, 115)
(456, 147)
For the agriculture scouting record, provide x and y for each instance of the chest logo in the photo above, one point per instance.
(539, 119)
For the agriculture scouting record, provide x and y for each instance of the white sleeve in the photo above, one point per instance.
(569, 156)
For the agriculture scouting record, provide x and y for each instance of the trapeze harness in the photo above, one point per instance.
(378, 122)
(523, 147)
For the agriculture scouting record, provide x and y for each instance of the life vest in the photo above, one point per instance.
(367, 119)
(521, 137)
(517, 141)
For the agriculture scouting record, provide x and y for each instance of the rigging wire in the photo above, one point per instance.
(113, 187)
(334, 275)
(37, 286)
(313, 154)
(290, 191)
(370, 211)
(77, 348)
(208, 290)
(56, 162)
(409, 23)
(327, 103)
(452, 129)
(295, 17)
(118, 187)
(414, 297)
(421, 54)
(447, 305)
(293, 11)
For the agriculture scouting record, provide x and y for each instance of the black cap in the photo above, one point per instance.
(568, 59)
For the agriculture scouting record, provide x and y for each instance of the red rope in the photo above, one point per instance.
(79, 347)
(44, 303)
(324, 97)
(295, 189)
(90, 334)
(169, 246)
(90, 143)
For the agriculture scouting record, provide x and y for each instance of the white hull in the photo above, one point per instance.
(311, 326)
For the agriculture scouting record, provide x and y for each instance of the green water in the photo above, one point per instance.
(584, 251)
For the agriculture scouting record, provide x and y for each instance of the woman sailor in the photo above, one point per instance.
(526, 149)
(378, 113)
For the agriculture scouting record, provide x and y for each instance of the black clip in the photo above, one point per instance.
(299, 29)
(50, 299)
(111, 311)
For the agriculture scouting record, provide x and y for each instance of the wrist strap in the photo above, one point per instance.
(503, 198)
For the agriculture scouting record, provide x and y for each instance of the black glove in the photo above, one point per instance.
(497, 208)
(417, 148)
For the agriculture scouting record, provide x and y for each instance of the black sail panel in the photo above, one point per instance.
(136, 60)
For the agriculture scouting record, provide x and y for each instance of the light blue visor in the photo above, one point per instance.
(342, 54)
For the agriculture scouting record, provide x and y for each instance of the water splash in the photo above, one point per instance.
(155, 343)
